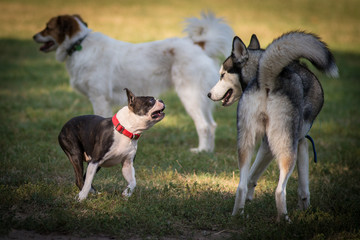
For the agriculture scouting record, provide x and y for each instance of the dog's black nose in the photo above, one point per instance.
(209, 95)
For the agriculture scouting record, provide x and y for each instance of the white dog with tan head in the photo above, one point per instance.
(100, 67)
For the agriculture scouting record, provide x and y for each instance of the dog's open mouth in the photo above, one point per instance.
(47, 46)
(227, 97)
(158, 115)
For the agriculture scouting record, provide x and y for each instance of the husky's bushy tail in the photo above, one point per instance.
(292, 46)
(213, 34)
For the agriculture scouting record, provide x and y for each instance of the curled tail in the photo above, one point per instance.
(292, 46)
(210, 33)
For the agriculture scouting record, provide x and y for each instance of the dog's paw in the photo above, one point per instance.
(127, 193)
(303, 203)
(195, 150)
(94, 191)
(199, 150)
(283, 218)
(238, 212)
(81, 196)
(250, 194)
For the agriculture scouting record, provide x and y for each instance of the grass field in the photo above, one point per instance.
(179, 194)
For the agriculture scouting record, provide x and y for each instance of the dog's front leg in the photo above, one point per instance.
(262, 160)
(90, 173)
(128, 172)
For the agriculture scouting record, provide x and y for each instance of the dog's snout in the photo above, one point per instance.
(161, 101)
(209, 95)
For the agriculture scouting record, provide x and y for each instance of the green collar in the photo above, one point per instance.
(76, 46)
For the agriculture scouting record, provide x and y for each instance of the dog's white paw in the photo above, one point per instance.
(284, 218)
(81, 196)
(127, 193)
(195, 150)
(199, 150)
(239, 212)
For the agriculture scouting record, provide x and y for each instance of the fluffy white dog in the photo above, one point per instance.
(101, 67)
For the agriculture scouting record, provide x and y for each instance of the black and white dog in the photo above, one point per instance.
(105, 142)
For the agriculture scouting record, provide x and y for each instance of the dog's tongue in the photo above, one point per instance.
(46, 46)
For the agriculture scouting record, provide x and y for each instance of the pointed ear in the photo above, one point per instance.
(239, 51)
(254, 43)
(130, 97)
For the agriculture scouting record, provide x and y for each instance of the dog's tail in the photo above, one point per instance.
(212, 34)
(292, 46)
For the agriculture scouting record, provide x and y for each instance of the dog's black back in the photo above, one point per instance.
(82, 136)
(81, 130)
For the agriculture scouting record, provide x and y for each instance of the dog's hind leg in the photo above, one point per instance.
(303, 171)
(77, 162)
(90, 173)
(286, 163)
(262, 160)
(75, 156)
(244, 155)
(249, 127)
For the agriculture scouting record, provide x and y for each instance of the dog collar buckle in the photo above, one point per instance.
(121, 129)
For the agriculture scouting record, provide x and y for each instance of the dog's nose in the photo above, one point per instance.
(209, 95)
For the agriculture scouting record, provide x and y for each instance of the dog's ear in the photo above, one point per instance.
(254, 43)
(67, 25)
(131, 98)
(239, 52)
(80, 18)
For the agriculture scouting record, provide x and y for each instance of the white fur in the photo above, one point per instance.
(105, 66)
(276, 115)
(227, 81)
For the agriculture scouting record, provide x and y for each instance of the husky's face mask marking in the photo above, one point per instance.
(236, 71)
(228, 88)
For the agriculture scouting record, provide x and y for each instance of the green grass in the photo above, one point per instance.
(178, 193)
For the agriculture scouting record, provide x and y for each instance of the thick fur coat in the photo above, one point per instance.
(279, 99)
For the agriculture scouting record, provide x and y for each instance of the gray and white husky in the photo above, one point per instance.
(279, 100)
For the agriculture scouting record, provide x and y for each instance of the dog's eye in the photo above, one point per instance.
(152, 101)
(222, 75)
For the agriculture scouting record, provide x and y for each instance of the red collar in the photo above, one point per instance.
(120, 128)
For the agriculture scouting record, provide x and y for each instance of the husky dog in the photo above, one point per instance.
(279, 100)
(105, 142)
(100, 67)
